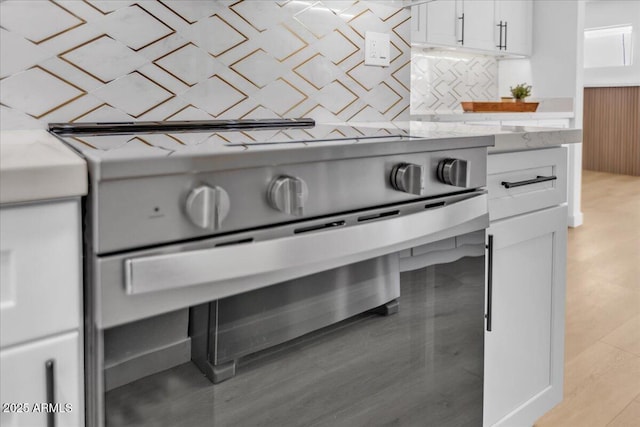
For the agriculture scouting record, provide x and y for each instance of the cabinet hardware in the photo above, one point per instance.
(461, 41)
(506, 30)
(529, 181)
(49, 367)
(500, 38)
(489, 280)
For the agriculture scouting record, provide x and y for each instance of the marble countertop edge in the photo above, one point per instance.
(36, 166)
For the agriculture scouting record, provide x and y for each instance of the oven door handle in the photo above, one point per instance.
(299, 255)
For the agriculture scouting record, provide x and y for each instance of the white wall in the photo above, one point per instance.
(608, 13)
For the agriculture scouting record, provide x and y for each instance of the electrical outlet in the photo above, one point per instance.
(377, 49)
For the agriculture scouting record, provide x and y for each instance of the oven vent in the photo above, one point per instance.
(333, 224)
(434, 205)
(235, 242)
(378, 216)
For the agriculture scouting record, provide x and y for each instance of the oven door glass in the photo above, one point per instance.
(417, 363)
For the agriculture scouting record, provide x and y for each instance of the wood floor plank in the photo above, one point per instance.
(626, 337)
(629, 417)
(597, 308)
(599, 384)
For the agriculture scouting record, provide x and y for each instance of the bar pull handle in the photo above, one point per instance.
(505, 35)
(500, 42)
(461, 18)
(489, 281)
(49, 366)
(536, 180)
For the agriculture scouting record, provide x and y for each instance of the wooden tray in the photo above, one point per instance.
(500, 107)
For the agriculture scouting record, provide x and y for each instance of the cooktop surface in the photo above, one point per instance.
(149, 148)
(213, 135)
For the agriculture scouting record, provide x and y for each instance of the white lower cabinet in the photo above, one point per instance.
(41, 356)
(26, 371)
(524, 350)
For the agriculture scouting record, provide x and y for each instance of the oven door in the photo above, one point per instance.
(420, 366)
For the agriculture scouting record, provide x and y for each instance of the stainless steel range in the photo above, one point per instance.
(269, 254)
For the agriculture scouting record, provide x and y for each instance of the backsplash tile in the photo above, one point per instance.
(441, 79)
(193, 60)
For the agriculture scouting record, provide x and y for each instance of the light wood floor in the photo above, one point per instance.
(602, 347)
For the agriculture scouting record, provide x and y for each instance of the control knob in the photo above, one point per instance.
(408, 177)
(207, 206)
(288, 194)
(454, 172)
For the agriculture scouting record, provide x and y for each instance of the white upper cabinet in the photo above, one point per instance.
(477, 25)
(491, 26)
(437, 23)
(513, 26)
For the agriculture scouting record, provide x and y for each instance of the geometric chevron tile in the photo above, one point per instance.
(118, 93)
(188, 63)
(18, 53)
(207, 34)
(170, 59)
(104, 58)
(214, 95)
(258, 68)
(135, 27)
(440, 80)
(24, 91)
(192, 11)
(37, 21)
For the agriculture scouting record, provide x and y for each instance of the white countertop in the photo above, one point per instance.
(459, 116)
(35, 165)
(507, 138)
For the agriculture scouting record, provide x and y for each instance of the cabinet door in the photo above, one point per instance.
(524, 350)
(40, 272)
(479, 25)
(517, 15)
(24, 382)
(442, 23)
(419, 24)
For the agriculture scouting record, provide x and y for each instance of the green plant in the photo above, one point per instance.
(521, 91)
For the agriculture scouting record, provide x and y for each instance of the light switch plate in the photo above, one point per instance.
(377, 49)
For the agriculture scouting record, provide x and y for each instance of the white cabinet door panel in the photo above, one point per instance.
(24, 382)
(41, 272)
(517, 32)
(419, 24)
(479, 25)
(524, 349)
(442, 23)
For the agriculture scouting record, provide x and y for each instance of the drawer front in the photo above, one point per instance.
(24, 382)
(40, 268)
(526, 181)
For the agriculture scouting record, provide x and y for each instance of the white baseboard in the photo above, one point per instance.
(575, 220)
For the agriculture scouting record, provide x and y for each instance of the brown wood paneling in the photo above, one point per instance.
(611, 130)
